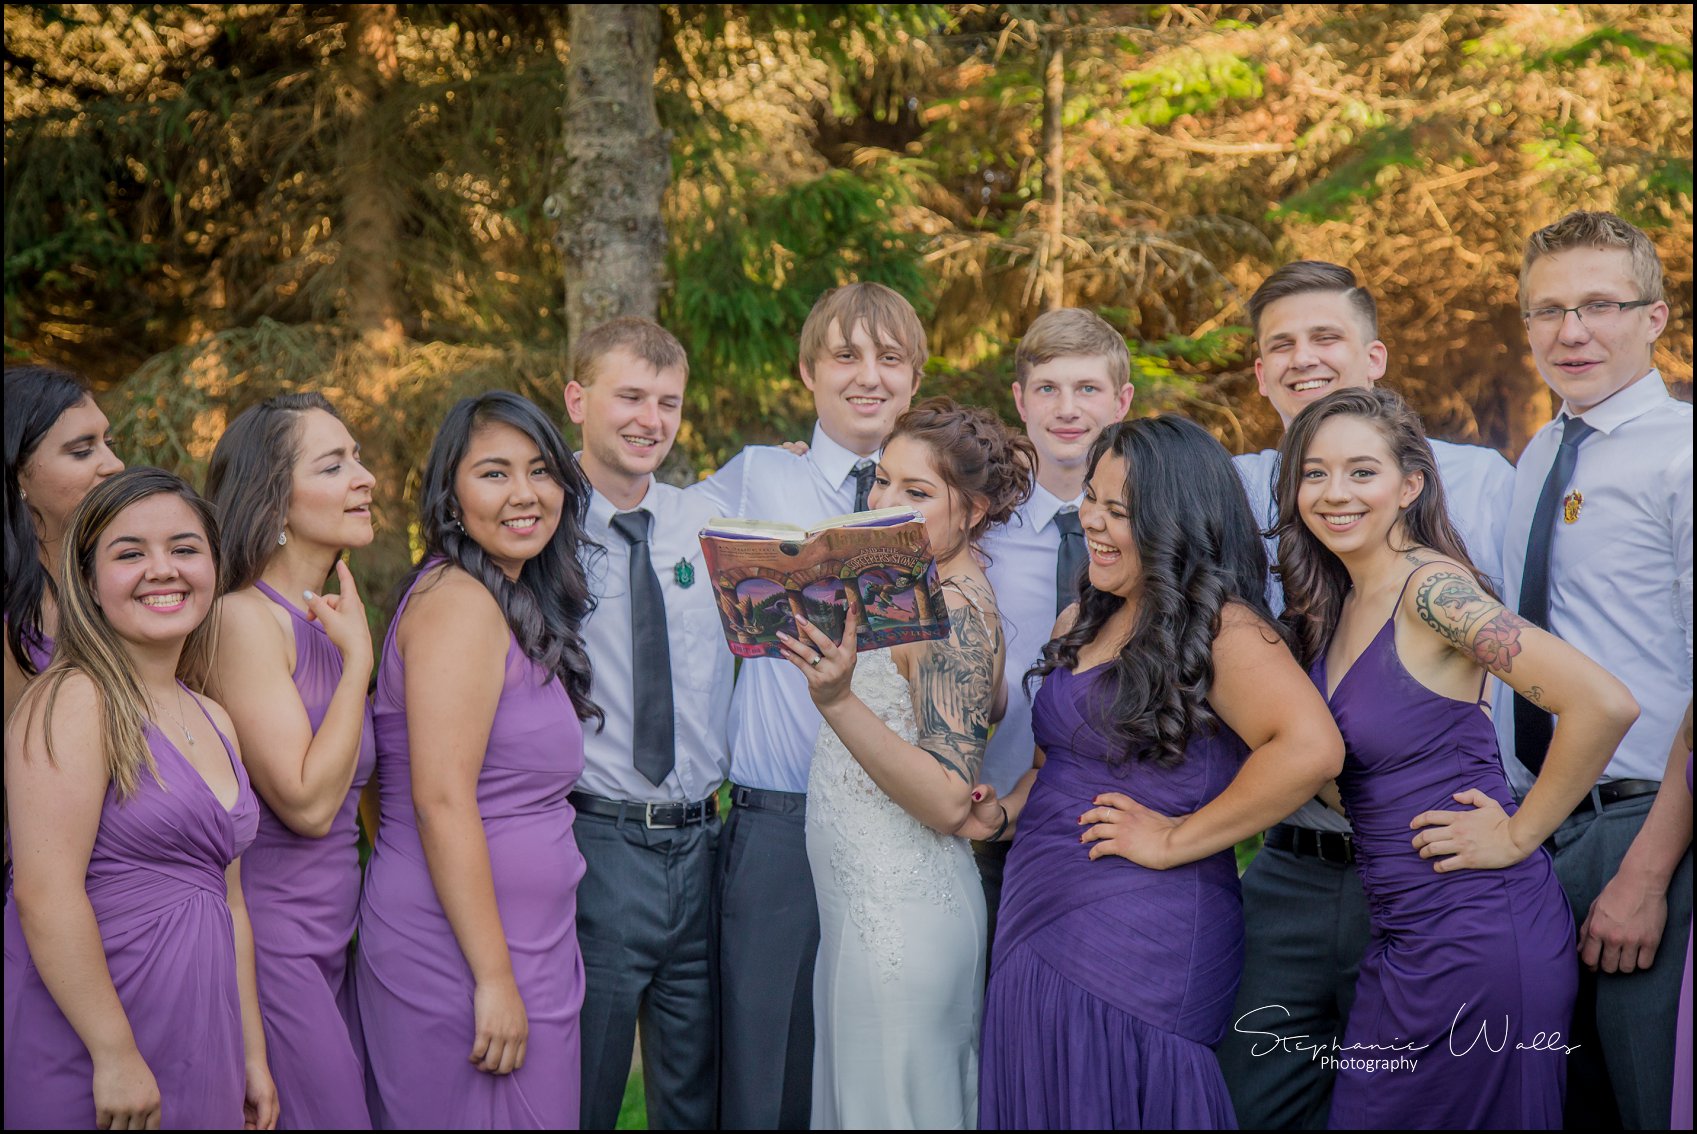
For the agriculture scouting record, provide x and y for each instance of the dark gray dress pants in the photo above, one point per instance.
(1624, 1022)
(769, 937)
(646, 926)
(1306, 926)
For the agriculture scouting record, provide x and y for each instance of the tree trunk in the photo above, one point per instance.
(1054, 95)
(370, 232)
(617, 162)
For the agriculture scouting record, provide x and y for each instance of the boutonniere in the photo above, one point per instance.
(683, 573)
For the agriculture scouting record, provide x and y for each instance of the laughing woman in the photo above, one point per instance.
(1172, 723)
(129, 987)
(470, 981)
(292, 669)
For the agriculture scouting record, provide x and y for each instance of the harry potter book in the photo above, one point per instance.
(766, 575)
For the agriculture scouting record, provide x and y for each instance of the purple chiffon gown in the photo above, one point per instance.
(1109, 981)
(156, 882)
(1470, 976)
(415, 988)
(303, 897)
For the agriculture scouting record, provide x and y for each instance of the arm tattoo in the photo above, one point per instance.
(952, 690)
(1488, 632)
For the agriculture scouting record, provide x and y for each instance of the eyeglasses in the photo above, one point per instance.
(1596, 315)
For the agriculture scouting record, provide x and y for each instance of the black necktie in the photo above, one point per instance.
(1532, 725)
(1069, 564)
(651, 659)
(863, 471)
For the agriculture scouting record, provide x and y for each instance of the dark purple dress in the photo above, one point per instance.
(303, 897)
(1467, 987)
(415, 988)
(1109, 981)
(156, 882)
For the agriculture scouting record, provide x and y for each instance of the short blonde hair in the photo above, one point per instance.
(1597, 230)
(644, 338)
(889, 318)
(1072, 332)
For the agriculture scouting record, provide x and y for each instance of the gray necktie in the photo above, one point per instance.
(654, 745)
(863, 471)
(1069, 564)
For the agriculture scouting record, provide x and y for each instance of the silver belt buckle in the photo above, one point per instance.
(648, 817)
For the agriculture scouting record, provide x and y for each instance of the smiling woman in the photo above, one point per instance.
(122, 782)
(468, 919)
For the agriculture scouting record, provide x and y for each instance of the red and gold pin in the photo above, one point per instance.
(1570, 506)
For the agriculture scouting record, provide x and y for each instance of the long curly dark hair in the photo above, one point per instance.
(1315, 581)
(545, 607)
(1198, 549)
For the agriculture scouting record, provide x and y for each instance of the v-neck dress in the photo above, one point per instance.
(303, 897)
(1467, 987)
(156, 882)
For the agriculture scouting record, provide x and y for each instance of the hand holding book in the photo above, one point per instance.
(827, 665)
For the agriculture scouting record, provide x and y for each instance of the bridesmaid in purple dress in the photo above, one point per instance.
(129, 986)
(292, 669)
(1467, 988)
(58, 446)
(469, 977)
(1172, 723)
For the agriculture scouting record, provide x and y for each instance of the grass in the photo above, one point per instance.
(633, 1112)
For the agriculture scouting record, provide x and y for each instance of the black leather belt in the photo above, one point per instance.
(1615, 791)
(765, 799)
(656, 815)
(1328, 846)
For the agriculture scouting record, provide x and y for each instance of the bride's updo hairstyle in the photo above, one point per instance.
(979, 459)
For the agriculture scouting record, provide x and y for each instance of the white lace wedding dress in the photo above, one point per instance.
(899, 985)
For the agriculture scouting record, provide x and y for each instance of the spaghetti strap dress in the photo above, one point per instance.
(415, 988)
(1467, 987)
(156, 882)
(1110, 982)
(303, 897)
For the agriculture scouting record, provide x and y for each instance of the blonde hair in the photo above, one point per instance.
(87, 643)
(643, 338)
(1597, 230)
(1072, 332)
(889, 318)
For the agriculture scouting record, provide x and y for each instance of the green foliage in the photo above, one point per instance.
(1358, 180)
(1613, 45)
(1664, 193)
(1187, 82)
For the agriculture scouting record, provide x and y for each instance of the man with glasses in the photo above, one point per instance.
(1598, 551)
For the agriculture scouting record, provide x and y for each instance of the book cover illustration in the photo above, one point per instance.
(766, 575)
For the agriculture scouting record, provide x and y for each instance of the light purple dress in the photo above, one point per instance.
(303, 897)
(40, 649)
(1109, 981)
(156, 882)
(1468, 983)
(415, 988)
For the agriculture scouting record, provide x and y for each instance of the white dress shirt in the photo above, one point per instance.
(1478, 484)
(773, 720)
(1022, 573)
(1620, 574)
(701, 663)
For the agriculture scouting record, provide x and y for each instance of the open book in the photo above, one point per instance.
(765, 575)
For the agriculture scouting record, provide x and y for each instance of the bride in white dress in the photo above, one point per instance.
(899, 983)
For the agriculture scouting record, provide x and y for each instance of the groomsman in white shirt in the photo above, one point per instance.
(1599, 552)
(647, 809)
(1305, 915)
(1072, 379)
(861, 353)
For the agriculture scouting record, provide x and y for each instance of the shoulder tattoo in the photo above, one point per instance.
(1474, 623)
